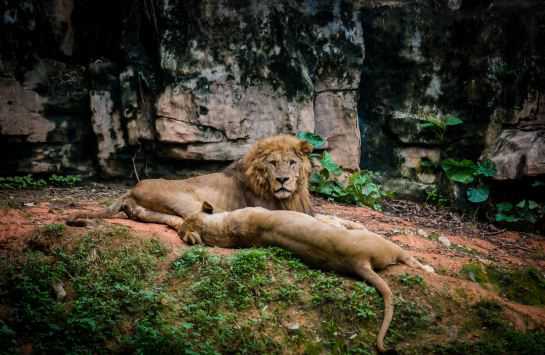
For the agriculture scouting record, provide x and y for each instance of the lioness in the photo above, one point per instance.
(320, 244)
(273, 174)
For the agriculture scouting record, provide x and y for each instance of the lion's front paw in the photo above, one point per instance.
(192, 238)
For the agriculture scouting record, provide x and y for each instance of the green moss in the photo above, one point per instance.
(526, 286)
(497, 337)
(476, 272)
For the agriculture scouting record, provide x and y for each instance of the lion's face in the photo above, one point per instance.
(283, 173)
(278, 167)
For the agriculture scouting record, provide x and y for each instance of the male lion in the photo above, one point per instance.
(273, 174)
(320, 244)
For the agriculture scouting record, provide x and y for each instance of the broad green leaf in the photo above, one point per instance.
(453, 121)
(504, 206)
(427, 125)
(486, 168)
(329, 164)
(462, 171)
(478, 194)
(314, 139)
(500, 217)
(532, 204)
(522, 204)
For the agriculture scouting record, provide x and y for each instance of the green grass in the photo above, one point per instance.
(54, 230)
(124, 296)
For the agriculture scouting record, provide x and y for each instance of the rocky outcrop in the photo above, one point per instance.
(480, 61)
(258, 70)
(519, 154)
(191, 80)
(519, 150)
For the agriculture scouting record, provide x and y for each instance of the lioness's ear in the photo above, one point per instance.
(207, 208)
(306, 147)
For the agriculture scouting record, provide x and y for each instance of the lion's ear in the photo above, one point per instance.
(207, 208)
(305, 147)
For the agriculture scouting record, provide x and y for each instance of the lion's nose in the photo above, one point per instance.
(282, 179)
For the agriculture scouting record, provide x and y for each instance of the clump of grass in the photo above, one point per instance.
(411, 280)
(54, 230)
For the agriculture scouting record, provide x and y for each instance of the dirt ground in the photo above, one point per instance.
(437, 237)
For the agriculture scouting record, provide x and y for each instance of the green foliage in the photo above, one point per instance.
(29, 182)
(21, 182)
(478, 194)
(362, 188)
(316, 140)
(462, 171)
(467, 172)
(439, 124)
(64, 181)
(411, 280)
(524, 211)
(54, 229)
(434, 197)
(107, 283)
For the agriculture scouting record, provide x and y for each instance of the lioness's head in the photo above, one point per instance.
(278, 167)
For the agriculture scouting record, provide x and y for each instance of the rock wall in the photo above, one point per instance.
(91, 86)
(481, 61)
(176, 81)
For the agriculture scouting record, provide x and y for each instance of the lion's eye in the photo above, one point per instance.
(272, 162)
(292, 162)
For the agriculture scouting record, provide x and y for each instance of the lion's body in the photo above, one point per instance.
(273, 174)
(319, 244)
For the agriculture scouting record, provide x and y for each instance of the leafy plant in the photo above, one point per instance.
(434, 197)
(64, 181)
(21, 182)
(524, 211)
(29, 182)
(411, 280)
(316, 140)
(439, 124)
(361, 189)
(467, 172)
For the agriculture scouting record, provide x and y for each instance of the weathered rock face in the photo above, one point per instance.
(188, 80)
(257, 69)
(161, 83)
(481, 61)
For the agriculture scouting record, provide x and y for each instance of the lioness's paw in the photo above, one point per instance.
(428, 268)
(192, 238)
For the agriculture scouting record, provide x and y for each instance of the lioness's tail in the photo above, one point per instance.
(374, 279)
(109, 211)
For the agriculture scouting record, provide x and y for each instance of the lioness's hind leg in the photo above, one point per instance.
(139, 213)
(412, 262)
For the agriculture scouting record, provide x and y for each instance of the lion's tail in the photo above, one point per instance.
(115, 207)
(374, 279)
